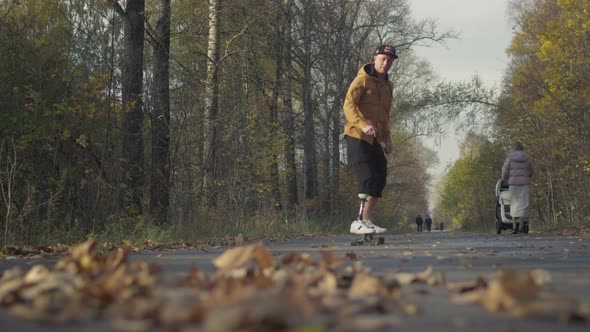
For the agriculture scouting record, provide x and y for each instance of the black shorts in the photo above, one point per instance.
(369, 164)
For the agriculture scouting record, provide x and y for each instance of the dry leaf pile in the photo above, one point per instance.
(32, 251)
(13, 252)
(520, 296)
(249, 292)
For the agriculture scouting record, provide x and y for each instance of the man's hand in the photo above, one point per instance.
(370, 130)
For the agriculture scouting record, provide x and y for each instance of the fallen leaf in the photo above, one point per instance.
(469, 286)
(540, 277)
(508, 291)
(330, 261)
(239, 257)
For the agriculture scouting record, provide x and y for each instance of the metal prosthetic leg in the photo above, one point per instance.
(366, 238)
(363, 198)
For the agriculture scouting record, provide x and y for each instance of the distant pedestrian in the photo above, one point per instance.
(419, 223)
(428, 222)
(517, 172)
(441, 226)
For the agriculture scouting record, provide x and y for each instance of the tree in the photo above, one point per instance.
(132, 90)
(310, 179)
(468, 198)
(72, 80)
(211, 98)
(56, 99)
(274, 106)
(336, 37)
(289, 119)
(546, 101)
(160, 116)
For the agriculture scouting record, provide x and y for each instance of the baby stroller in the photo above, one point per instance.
(503, 218)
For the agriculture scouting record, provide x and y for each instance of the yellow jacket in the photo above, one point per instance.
(368, 102)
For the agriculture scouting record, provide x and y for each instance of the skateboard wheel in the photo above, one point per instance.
(368, 241)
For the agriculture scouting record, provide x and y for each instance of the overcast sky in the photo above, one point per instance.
(485, 33)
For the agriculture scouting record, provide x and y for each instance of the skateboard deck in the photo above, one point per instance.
(368, 240)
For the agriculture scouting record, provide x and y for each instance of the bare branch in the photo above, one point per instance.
(118, 7)
(234, 38)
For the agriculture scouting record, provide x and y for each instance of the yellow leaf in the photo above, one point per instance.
(65, 135)
(82, 141)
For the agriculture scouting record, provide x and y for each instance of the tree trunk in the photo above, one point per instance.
(210, 114)
(274, 121)
(289, 118)
(326, 193)
(342, 51)
(132, 89)
(336, 134)
(310, 183)
(160, 172)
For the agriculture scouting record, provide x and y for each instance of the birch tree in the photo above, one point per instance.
(211, 101)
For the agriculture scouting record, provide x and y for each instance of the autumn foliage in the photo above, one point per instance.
(545, 105)
(116, 122)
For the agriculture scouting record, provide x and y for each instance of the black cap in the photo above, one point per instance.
(386, 49)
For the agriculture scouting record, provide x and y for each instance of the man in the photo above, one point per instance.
(368, 138)
(428, 222)
(419, 223)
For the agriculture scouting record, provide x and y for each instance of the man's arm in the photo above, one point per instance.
(351, 102)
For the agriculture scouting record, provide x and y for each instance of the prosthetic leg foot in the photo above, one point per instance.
(366, 239)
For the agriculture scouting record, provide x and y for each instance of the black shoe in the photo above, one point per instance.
(515, 229)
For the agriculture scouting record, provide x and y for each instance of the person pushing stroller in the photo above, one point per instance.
(517, 172)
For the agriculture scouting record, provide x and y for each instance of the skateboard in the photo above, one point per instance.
(366, 239)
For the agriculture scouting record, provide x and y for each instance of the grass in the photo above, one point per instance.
(200, 229)
(216, 228)
(270, 224)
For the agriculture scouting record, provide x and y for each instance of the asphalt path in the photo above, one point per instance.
(461, 257)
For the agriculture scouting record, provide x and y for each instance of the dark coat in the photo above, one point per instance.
(419, 220)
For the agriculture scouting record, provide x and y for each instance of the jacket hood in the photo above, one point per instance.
(368, 70)
(518, 156)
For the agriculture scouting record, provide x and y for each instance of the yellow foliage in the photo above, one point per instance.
(66, 134)
(82, 141)
(549, 90)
